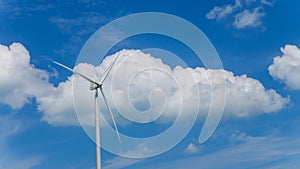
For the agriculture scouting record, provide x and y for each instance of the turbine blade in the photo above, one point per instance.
(77, 73)
(111, 115)
(108, 69)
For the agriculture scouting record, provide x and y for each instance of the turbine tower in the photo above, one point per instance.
(98, 86)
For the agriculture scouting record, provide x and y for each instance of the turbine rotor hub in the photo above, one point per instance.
(95, 86)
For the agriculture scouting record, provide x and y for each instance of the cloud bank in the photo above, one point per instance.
(286, 68)
(149, 84)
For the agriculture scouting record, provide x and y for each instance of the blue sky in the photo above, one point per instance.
(257, 42)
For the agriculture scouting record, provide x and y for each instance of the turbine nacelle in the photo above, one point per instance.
(95, 86)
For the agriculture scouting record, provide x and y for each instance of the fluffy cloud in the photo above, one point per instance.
(286, 68)
(139, 86)
(20, 81)
(142, 83)
(58, 107)
(247, 96)
(245, 13)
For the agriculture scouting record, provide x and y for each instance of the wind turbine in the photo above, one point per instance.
(98, 86)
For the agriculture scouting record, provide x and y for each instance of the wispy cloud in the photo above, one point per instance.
(81, 25)
(248, 18)
(219, 12)
(77, 29)
(266, 152)
(20, 8)
(119, 162)
(10, 159)
(268, 2)
(9, 126)
(75, 24)
(244, 13)
(140, 150)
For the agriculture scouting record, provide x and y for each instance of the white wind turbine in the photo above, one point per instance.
(98, 86)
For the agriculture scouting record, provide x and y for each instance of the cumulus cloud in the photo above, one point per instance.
(286, 68)
(57, 107)
(141, 83)
(245, 14)
(20, 80)
(247, 96)
(139, 86)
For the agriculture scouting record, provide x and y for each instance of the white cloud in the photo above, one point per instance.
(153, 90)
(220, 12)
(58, 106)
(248, 18)
(20, 81)
(267, 2)
(240, 136)
(141, 150)
(192, 149)
(245, 14)
(286, 68)
(245, 96)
